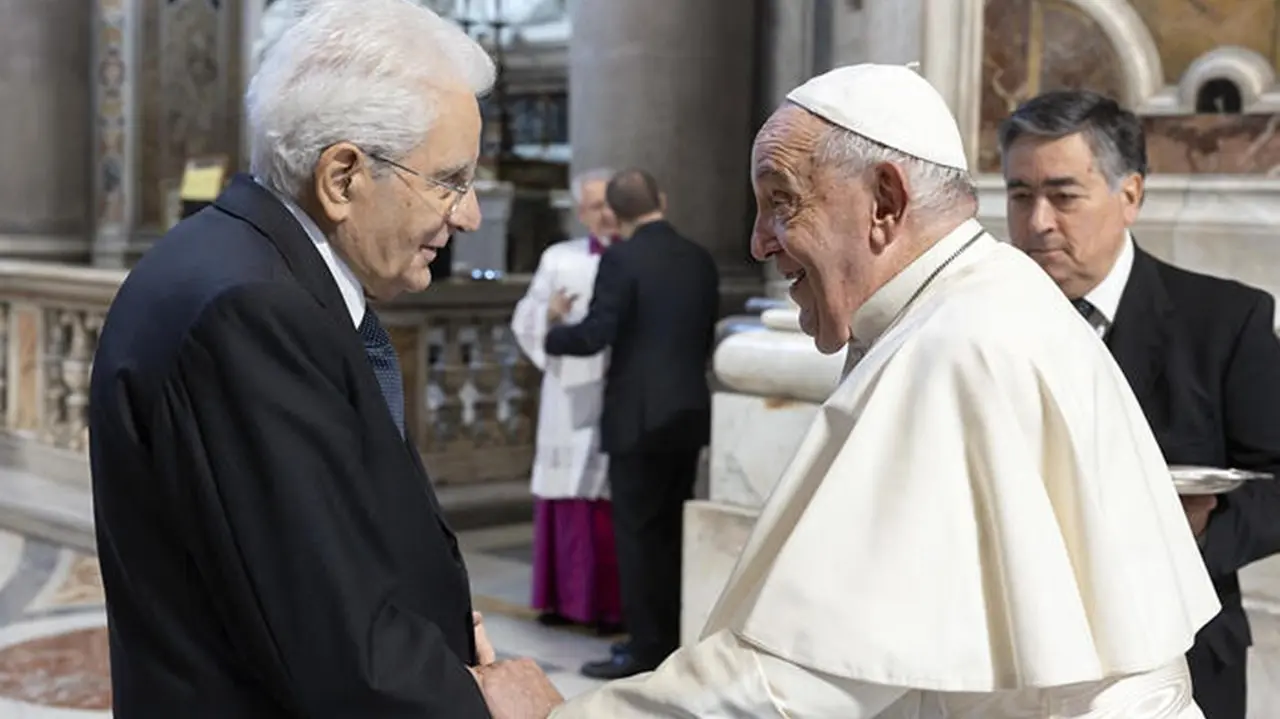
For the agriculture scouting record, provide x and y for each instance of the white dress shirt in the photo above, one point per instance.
(348, 285)
(1105, 298)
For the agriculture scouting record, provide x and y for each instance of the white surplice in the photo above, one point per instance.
(979, 523)
(567, 462)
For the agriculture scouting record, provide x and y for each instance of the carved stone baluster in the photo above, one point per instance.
(53, 429)
(486, 376)
(523, 382)
(83, 340)
(4, 364)
(450, 417)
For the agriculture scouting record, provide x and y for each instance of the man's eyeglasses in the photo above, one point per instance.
(459, 191)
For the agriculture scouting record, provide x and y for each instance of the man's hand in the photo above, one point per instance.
(517, 689)
(559, 305)
(484, 648)
(1198, 507)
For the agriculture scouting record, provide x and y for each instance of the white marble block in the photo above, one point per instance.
(714, 535)
(752, 440)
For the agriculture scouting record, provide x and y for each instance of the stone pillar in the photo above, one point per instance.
(116, 123)
(45, 116)
(668, 85)
(788, 52)
(774, 382)
(952, 62)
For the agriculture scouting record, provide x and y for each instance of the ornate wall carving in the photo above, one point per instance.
(1184, 30)
(1033, 46)
(191, 90)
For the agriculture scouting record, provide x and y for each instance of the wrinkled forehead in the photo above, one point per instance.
(785, 145)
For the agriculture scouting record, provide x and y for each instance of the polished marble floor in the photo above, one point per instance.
(53, 649)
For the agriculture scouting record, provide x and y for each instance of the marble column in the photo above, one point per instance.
(115, 127)
(773, 382)
(45, 116)
(668, 85)
(789, 48)
(951, 59)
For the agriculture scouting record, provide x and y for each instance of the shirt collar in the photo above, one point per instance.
(348, 284)
(878, 312)
(1105, 298)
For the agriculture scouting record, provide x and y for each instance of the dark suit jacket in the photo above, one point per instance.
(270, 546)
(1202, 357)
(655, 303)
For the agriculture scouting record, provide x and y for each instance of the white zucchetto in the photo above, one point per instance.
(890, 104)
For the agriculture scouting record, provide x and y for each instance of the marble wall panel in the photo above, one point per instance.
(25, 335)
(189, 92)
(1186, 29)
(752, 441)
(1215, 144)
(1033, 46)
(714, 535)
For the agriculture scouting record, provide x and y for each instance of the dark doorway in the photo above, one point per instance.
(1219, 97)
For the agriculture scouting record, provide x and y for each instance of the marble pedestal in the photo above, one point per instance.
(772, 381)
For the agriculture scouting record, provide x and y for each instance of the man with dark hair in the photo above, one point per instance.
(1199, 352)
(654, 304)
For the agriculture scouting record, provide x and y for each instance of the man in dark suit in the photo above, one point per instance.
(655, 303)
(270, 543)
(1199, 352)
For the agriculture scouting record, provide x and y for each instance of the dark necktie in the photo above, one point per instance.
(1084, 307)
(386, 366)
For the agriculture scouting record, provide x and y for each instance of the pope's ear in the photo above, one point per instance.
(889, 193)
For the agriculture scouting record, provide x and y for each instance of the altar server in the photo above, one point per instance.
(575, 565)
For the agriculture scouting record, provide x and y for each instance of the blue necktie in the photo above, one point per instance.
(386, 366)
(1084, 307)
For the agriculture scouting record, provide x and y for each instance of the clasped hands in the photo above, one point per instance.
(513, 689)
(559, 305)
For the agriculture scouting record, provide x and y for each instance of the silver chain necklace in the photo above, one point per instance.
(855, 359)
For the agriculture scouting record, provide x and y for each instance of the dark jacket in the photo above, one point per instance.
(270, 545)
(1202, 357)
(655, 303)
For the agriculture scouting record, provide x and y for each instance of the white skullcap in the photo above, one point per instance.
(890, 104)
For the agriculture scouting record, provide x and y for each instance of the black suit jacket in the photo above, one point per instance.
(270, 545)
(655, 302)
(1202, 357)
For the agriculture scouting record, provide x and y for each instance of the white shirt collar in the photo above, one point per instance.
(348, 285)
(1105, 298)
(876, 314)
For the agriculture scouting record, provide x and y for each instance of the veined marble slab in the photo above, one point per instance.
(752, 441)
(714, 535)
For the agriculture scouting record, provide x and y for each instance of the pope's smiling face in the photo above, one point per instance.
(827, 230)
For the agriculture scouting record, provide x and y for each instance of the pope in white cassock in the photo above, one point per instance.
(979, 523)
(575, 564)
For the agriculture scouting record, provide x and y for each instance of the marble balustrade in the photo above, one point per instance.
(771, 382)
(472, 397)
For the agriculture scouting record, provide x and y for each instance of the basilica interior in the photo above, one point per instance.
(105, 104)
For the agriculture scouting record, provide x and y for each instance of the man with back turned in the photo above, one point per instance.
(655, 303)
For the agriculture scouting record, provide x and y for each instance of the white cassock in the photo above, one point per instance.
(979, 524)
(567, 462)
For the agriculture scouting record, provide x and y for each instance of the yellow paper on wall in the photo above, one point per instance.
(202, 179)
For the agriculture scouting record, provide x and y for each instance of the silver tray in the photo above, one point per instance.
(1211, 480)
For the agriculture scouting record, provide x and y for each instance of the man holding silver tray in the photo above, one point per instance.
(1199, 352)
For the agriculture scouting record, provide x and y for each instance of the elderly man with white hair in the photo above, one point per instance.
(575, 564)
(979, 523)
(270, 543)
